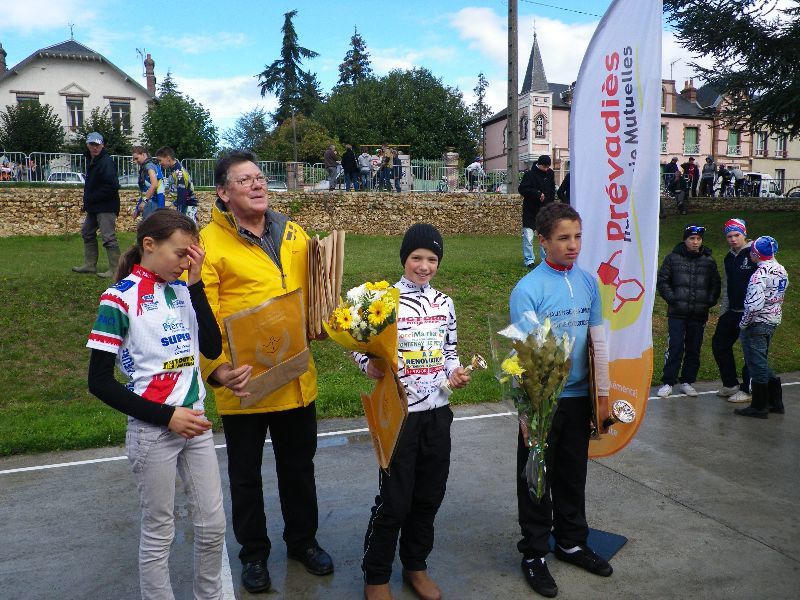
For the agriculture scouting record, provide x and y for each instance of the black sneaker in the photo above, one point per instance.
(538, 577)
(749, 411)
(314, 559)
(255, 577)
(585, 558)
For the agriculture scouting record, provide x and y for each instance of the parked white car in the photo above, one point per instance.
(68, 177)
(761, 185)
(279, 187)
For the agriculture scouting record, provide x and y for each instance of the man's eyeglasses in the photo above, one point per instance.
(248, 180)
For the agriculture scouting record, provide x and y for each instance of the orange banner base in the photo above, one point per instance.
(637, 373)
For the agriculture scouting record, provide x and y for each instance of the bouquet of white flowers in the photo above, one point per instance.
(537, 368)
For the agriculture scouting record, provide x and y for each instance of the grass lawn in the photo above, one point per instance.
(47, 312)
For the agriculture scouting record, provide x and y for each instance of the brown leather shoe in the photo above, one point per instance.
(377, 592)
(423, 585)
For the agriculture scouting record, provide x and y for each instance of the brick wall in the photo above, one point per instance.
(50, 211)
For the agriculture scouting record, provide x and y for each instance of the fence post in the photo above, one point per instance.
(451, 169)
(294, 175)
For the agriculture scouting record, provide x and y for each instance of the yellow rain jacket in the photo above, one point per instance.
(237, 275)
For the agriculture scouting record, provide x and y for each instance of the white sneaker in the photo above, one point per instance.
(724, 392)
(740, 397)
(664, 391)
(687, 389)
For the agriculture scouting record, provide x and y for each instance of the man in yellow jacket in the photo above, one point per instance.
(254, 254)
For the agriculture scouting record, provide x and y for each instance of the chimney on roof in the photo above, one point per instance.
(689, 92)
(149, 73)
(3, 67)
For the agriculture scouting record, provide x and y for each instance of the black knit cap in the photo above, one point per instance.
(544, 160)
(421, 235)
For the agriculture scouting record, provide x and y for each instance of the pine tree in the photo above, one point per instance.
(168, 86)
(756, 58)
(295, 88)
(480, 112)
(356, 66)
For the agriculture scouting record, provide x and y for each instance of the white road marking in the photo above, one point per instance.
(227, 578)
(325, 434)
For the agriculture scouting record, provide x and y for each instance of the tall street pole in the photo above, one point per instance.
(294, 135)
(512, 123)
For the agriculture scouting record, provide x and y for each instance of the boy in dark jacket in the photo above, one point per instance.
(689, 282)
(738, 268)
(538, 187)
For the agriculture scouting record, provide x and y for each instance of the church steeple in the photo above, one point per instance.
(535, 79)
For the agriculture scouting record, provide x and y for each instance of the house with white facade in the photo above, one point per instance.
(74, 80)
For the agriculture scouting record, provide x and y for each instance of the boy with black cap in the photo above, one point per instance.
(689, 282)
(762, 315)
(410, 495)
(538, 187)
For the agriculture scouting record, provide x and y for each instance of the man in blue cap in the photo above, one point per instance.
(763, 305)
(101, 205)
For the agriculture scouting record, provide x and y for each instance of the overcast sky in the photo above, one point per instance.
(215, 50)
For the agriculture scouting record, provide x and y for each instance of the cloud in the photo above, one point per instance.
(386, 59)
(196, 44)
(226, 98)
(562, 46)
(38, 15)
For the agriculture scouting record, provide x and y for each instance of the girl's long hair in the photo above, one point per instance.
(160, 225)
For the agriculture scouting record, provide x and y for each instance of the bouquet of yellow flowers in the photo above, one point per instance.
(366, 321)
(363, 321)
(537, 369)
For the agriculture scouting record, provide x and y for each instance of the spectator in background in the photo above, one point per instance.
(151, 183)
(538, 187)
(350, 168)
(179, 182)
(365, 169)
(331, 165)
(563, 190)
(763, 309)
(692, 174)
(385, 169)
(726, 187)
(6, 168)
(474, 171)
(101, 205)
(689, 282)
(707, 177)
(738, 179)
(671, 175)
(397, 170)
(34, 171)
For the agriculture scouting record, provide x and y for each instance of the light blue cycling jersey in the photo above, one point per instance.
(571, 300)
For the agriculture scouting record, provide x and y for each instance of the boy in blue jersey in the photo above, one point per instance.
(566, 294)
(179, 182)
(151, 183)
